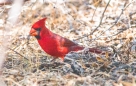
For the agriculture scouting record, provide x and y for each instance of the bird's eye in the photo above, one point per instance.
(38, 29)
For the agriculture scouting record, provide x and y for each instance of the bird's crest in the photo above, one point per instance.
(39, 23)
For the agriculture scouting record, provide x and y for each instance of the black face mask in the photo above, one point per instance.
(38, 36)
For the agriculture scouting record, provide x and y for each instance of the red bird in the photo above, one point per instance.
(53, 44)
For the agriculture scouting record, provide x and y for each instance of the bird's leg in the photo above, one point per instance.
(54, 59)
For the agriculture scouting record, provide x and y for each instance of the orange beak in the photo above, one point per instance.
(33, 32)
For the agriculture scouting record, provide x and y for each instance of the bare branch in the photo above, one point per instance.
(116, 21)
(98, 24)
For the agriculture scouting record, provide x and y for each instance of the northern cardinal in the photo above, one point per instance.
(54, 44)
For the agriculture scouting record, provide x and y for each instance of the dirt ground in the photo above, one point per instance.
(111, 27)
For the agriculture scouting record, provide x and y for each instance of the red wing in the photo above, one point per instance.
(64, 42)
(67, 43)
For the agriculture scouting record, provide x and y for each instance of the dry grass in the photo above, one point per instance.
(28, 65)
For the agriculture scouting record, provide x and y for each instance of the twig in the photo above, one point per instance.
(13, 82)
(131, 14)
(18, 53)
(116, 21)
(94, 11)
(98, 24)
(118, 32)
(2, 11)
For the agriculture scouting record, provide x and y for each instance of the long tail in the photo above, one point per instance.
(93, 50)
